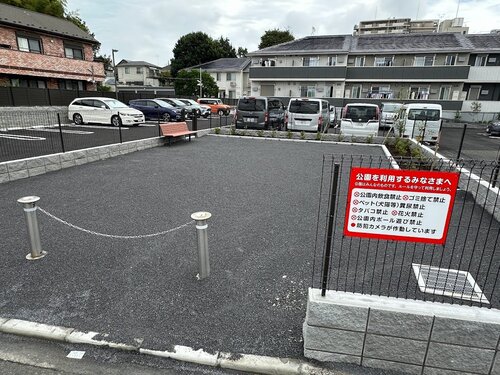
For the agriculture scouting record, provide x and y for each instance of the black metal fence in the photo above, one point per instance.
(465, 270)
(26, 134)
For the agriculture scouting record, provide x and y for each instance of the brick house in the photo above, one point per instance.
(42, 51)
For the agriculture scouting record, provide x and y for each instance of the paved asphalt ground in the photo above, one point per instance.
(263, 197)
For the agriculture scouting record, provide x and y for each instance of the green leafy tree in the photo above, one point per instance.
(273, 37)
(198, 48)
(54, 8)
(224, 48)
(242, 52)
(166, 78)
(186, 83)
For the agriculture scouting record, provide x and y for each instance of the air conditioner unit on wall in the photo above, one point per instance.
(232, 84)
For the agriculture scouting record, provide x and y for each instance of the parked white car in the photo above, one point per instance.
(103, 111)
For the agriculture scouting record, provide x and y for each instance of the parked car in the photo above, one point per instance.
(216, 105)
(420, 120)
(333, 116)
(388, 114)
(493, 128)
(201, 109)
(308, 114)
(360, 119)
(184, 109)
(259, 112)
(103, 111)
(156, 109)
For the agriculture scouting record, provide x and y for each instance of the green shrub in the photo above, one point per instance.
(302, 135)
(217, 130)
(369, 139)
(318, 136)
(260, 133)
(289, 134)
(273, 134)
(232, 130)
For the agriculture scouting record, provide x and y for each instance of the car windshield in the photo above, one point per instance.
(163, 104)
(274, 104)
(302, 106)
(391, 107)
(252, 104)
(112, 103)
(361, 113)
(423, 114)
(188, 102)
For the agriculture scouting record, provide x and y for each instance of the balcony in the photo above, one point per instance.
(36, 65)
(483, 74)
(407, 73)
(298, 73)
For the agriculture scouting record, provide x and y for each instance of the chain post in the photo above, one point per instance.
(29, 207)
(201, 231)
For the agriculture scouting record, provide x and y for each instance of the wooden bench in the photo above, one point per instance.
(175, 129)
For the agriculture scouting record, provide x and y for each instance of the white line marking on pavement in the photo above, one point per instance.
(99, 127)
(63, 131)
(22, 137)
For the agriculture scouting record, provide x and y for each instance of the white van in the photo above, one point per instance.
(420, 120)
(308, 114)
(360, 119)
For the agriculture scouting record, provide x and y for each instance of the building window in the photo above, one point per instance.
(383, 61)
(67, 84)
(310, 61)
(380, 92)
(360, 61)
(218, 77)
(28, 44)
(28, 82)
(127, 70)
(445, 93)
(230, 76)
(73, 53)
(308, 91)
(416, 92)
(480, 60)
(356, 91)
(474, 92)
(423, 61)
(139, 70)
(332, 60)
(450, 60)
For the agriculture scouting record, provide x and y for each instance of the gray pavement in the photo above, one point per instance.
(263, 197)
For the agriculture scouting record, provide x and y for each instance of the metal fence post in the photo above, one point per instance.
(29, 207)
(210, 120)
(461, 142)
(120, 127)
(60, 132)
(328, 250)
(194, 122)
(201, 231)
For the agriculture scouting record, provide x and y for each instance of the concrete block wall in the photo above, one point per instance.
(24, 168)
(415, 337)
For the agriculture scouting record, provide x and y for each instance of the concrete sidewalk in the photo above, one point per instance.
(263, 197)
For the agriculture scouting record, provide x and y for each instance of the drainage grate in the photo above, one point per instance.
(446, 282)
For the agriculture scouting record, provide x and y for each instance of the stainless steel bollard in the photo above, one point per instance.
(201, 231)
(29, 207)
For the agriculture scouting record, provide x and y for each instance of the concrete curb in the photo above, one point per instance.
(240, 362)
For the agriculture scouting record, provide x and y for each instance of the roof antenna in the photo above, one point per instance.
(313, 30)
(458, 6)
(418, 9)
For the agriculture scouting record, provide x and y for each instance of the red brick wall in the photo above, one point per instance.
(51, 63)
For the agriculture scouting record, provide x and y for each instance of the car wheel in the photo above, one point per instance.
(165, 117)
(206, 115)
(116, 121)
(77, 119)
(220, 112)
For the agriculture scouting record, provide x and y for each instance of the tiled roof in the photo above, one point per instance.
(311, 43)
(229, 64)
(136, 63)
(407, 42)
(484, 41)
(19, 17)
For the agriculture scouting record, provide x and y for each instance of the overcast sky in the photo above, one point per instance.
(148, 30)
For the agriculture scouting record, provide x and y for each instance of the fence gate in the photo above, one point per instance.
(465, 270)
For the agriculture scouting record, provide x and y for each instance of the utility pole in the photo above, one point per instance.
(200, 83)
(115, 73)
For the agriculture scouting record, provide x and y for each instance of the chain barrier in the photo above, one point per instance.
(113, 235)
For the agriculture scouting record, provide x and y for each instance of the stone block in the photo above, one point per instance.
(331, 357)
(395, 349)
(18, 175)
(80, 154)
(333, 340)
(466, 332)
(440, 371)
(496, 366)
(81, 161)
(395, 366)
(93, 158)
(35, 163)
(411, 326)
(52, 167)
(69, 156)
(14, 166)
(337, 316)
(3, 168)
(52, 159)
(36, 171)
(67, 164)
(460, 358)
(4, 177)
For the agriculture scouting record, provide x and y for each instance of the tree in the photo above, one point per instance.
(54, 8)
(242, 52)
(224, 48)
(186, 84)
(273, 37)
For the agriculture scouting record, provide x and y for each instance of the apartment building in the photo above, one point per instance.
(396, 26)
(230, 75)
(41, 51)
(449, 68)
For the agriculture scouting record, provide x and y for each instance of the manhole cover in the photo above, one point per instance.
(447, 282)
